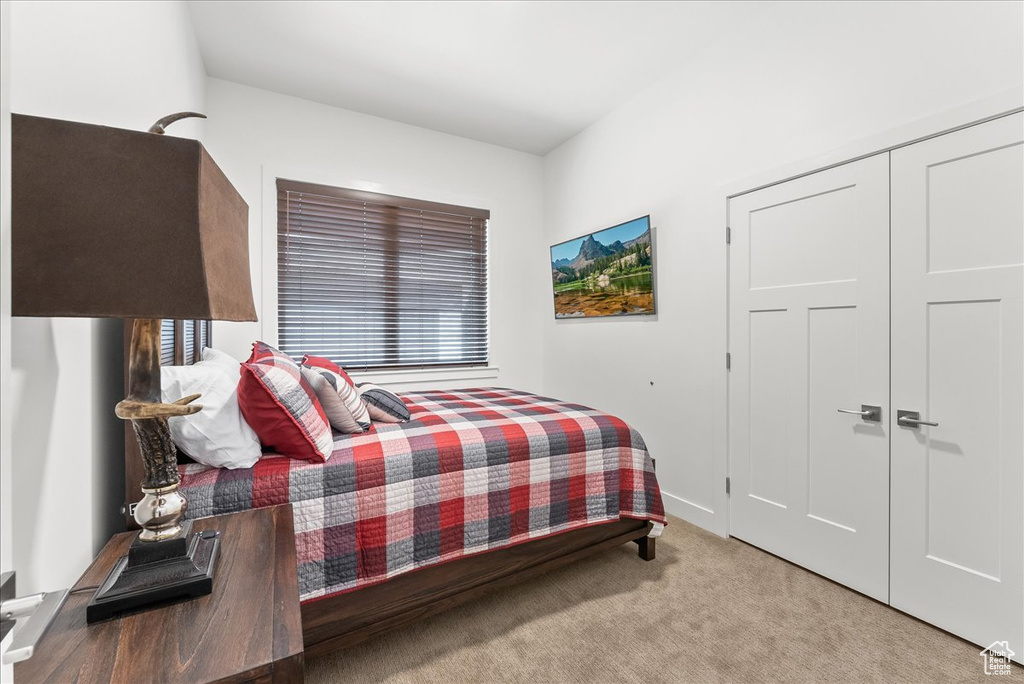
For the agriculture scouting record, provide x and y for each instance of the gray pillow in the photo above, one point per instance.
(384, 406)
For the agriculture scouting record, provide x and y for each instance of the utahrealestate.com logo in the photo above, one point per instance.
(997, 658)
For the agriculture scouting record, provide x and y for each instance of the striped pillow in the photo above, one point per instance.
(383, 405)
(343, 389)
(281, 407)
(326, 385)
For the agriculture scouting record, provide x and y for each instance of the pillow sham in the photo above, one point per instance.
(384, 406)
(343, 386)
(225, 362)
(326, 364)
(281, 407)
(218, 435)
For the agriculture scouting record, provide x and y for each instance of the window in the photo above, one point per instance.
(373, 281)
(178, 341)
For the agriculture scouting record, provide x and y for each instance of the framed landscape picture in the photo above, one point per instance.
(607, 273)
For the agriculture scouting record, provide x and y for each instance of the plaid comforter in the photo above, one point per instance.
(473, 470)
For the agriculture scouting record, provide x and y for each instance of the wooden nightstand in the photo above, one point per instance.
(248, 630)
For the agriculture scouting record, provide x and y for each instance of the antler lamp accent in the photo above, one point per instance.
(107, 222)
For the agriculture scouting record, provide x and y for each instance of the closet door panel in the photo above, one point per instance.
(957, 543)
(809, 335)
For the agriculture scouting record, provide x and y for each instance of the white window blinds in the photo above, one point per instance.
(373, 281)
(182, 342)
(167, 339)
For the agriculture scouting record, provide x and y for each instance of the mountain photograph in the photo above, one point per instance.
(608, 273)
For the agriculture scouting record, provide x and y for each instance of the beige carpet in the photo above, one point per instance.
(707, 610)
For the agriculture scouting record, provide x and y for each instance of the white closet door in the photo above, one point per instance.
(957, 354)
(809, 335)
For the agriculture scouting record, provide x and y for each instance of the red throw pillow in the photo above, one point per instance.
(323, 362)
(281, 407)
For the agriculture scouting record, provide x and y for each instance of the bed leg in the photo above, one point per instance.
(647, 547)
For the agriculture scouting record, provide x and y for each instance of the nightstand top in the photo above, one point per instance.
(248, 628)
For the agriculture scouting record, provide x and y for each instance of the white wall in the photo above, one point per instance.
(802, 80)
(256, 136)
(120, 64)
(5, 287)
(6, 528)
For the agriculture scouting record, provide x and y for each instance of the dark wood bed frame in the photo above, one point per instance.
(339, 621)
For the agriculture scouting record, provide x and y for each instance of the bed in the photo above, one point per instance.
(481, 489)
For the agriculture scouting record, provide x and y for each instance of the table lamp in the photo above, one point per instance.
(107, 222)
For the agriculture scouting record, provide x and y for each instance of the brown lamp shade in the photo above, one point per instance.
(107, 222)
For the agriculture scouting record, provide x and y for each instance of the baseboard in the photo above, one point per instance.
(689, 511)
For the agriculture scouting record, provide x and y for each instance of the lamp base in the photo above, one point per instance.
(156, 572)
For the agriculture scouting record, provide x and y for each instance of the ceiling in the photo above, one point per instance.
(524, 75)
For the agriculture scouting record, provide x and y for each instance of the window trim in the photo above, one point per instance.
(267, 297)
(376, 197)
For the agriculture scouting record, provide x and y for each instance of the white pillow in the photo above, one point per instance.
(218, 435)
(216, 357)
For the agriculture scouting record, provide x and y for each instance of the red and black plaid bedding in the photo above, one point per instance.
(473, 470)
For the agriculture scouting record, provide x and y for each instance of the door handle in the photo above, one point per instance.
(912, 419)
(872, 413)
